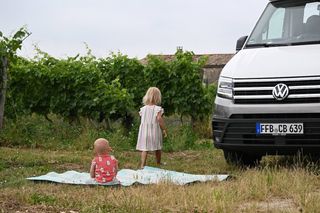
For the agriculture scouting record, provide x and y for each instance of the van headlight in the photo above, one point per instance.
(225, 88)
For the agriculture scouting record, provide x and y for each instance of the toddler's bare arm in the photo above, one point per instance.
(92, 170)
(117, 167)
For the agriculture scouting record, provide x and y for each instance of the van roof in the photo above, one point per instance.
(283, 0)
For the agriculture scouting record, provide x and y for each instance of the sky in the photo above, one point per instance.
(133, 27)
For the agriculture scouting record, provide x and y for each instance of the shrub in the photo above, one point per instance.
(106, 88)
(188, 94)
(70, 88)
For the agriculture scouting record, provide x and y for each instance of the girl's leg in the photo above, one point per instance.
(143, 159)
(158, 157)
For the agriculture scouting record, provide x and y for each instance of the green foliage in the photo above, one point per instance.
(108, 88)
(101, 89)
(72, 88)
(9, 45)
(157, 72)
(29, 89)
(211, 92)
(36, 132)
(8, 48)
(37, 198)
(180, 81)
(130, 75)
(188, 93)
(180, 138)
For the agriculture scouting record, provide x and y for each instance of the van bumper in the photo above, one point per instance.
(272, 149)
(234, 128)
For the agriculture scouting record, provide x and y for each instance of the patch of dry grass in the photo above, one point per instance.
(275, 186)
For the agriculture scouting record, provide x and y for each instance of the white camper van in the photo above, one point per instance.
(268, 99)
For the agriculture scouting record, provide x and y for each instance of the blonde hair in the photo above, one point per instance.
(101, 146)
(153, 96)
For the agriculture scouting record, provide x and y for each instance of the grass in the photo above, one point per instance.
(278, 185)
(33, 146)
(36, 132)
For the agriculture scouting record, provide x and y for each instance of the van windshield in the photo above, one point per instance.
(286, 23)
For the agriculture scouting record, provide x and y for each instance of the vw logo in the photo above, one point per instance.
(280, 92)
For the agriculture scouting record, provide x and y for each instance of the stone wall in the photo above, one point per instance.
(211, 75)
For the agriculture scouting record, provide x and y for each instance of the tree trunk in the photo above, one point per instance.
(193, 122)
(3, 87)
(181, 119)
(108, 124)
(47, 118)
(127, 122)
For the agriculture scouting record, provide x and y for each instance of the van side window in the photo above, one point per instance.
(275, 27)
(311, 9)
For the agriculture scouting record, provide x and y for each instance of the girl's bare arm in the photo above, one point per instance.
(161, 123)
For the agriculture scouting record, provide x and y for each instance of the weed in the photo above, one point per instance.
(36, 198)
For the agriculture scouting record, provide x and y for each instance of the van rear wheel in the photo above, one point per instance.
(241, 159)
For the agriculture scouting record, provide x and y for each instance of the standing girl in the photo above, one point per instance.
(152, 126)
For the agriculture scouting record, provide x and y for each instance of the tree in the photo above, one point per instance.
(8, 49)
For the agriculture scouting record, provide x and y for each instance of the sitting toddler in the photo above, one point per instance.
(104, 167)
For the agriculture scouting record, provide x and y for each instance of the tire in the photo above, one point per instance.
(241, 159)
(315, 158)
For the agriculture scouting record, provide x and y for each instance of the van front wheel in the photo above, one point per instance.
(241, 159)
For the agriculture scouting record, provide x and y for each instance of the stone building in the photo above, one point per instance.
(211, 70)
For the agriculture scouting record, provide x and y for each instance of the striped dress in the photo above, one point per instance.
(150, 134)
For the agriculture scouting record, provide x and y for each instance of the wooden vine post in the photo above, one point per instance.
(8, 49)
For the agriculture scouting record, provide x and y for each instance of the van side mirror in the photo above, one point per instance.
(241, 42)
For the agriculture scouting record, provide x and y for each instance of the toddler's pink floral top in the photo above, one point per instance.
(105, 168)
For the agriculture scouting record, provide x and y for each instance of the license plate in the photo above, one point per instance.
(279, 129)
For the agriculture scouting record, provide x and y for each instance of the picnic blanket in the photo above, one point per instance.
(128, 177)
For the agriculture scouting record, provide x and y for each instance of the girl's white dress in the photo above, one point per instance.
(150, 134)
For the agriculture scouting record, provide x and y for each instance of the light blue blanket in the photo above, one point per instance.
(127, 177)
